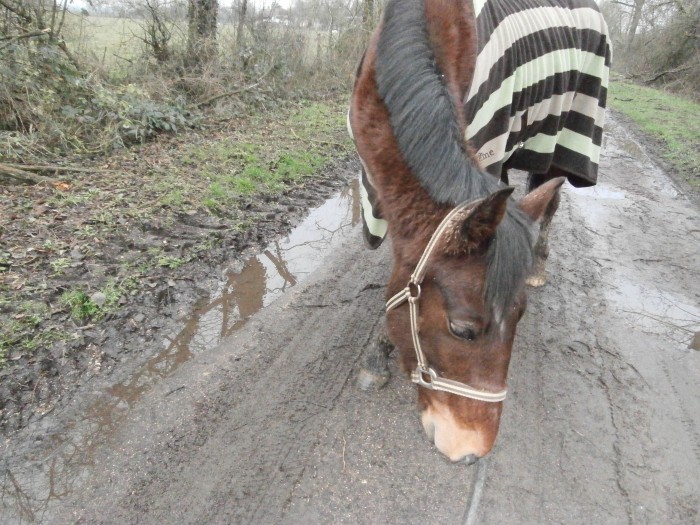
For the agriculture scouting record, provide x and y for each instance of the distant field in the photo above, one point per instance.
(105, 39)
(112, 41)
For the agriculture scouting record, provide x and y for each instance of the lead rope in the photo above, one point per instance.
(423, 375)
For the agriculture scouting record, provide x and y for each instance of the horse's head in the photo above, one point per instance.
(463, 336)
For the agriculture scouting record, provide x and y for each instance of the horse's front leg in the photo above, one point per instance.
(375, 374)
(538, 276)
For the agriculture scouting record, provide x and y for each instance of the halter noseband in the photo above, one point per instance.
(424, 375)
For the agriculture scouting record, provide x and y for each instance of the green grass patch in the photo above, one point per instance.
(173, 263)
(671, 118)
(20, 331)
(93, 307)
(268, 155)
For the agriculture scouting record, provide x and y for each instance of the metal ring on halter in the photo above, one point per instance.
(420, 378)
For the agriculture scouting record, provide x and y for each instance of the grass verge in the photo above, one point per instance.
(264, 158)
(672, 120)
(79, 247)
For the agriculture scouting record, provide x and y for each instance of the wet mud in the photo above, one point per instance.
(248, 412)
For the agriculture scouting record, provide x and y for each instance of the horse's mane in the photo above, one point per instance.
(426, 128)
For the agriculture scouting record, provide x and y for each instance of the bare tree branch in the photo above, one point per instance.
(17, 11)
(14, 38)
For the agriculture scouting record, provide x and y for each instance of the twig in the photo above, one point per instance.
(659, 320)
(317, 141)
(213, 99)
(344, 454)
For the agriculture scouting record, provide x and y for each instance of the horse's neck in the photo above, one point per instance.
(412, 217)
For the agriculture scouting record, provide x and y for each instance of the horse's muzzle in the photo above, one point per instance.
(451, 438)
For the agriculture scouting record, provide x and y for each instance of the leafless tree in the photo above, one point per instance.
(202, 18)
(657, 41)
(242, 11)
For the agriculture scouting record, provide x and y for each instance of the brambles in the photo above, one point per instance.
(90, 84)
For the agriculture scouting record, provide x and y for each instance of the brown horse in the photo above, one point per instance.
(462, 247)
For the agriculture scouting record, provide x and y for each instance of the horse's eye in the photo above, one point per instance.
(466, 330)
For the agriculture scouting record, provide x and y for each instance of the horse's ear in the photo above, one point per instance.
(472, 228)
(536, 202)
(480, 225)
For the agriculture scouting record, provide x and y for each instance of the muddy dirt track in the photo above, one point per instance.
(602, 423)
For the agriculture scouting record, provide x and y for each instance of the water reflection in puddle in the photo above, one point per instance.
(656, 311)
(266, 276)
(600, 191)
(28, 491)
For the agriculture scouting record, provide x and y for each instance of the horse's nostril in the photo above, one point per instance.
(471, 459)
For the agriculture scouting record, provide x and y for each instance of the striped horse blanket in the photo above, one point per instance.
(538, 94)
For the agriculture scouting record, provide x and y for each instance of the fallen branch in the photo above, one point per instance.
(669, 72)
(213, 99)
(19, 175)
(53, 167)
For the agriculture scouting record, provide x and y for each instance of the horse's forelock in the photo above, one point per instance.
(426, 127)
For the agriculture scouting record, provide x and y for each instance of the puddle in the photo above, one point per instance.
(599, 191)
(29, 491)
(598, 205)
(625, 150)
(264, 277)
(656, 311)
(632, 149)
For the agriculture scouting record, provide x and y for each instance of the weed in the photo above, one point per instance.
(80, 304)
(86, 231)
(256, 173)
(217, 190)
(173, 198)
(210, 204)
(297, 164)
(243, 225)
(105, 217)
(21, 331)
(248, 152)
(167, 261)
(60, 265)
(32, 313)
(244, 185)
(83, 307)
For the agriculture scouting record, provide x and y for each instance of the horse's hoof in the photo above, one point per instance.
(536, 281)
(367, 380)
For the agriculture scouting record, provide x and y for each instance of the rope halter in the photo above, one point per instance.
(424, 375)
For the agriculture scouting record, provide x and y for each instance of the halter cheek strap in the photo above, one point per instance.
(424, 375)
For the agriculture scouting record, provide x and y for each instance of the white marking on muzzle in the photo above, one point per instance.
(449, 436)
